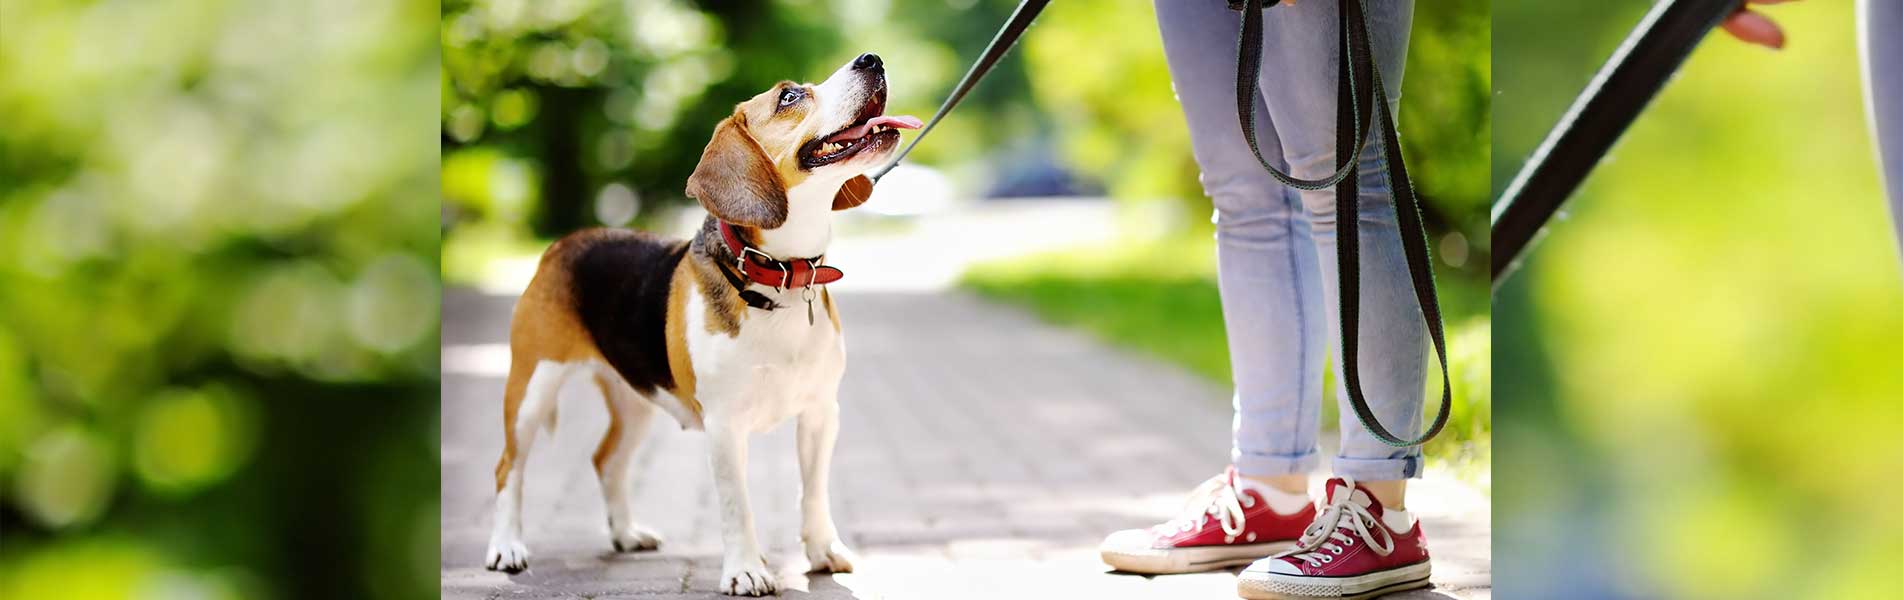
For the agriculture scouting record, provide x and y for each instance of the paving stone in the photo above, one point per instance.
(982, 454)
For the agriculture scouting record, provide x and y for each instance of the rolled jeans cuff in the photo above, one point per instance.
(1270, 465)
(1379, 469)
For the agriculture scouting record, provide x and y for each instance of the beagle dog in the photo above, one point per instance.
(720, 332)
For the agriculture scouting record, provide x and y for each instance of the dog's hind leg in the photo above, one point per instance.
(628, 418)
(818, 428)
(529, 403)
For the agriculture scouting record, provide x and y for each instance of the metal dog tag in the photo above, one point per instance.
(808, 294)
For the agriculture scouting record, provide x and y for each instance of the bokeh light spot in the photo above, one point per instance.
(290, 315)
(614, 150)
(88, 569)
(616, 205)
(513, 108)
(187, 440)
(589, 58)
(394, 304)
(68, 478)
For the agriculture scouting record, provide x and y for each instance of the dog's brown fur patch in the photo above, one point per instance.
(542, 327)
(678, 360)
(832, 314)
(612, 438)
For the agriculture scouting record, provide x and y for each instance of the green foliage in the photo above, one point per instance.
(218, 297)
(1707, 334)
(1114, 109)
(531, 138)
(591, 93)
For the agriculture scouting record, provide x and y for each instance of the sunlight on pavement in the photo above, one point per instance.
(947, 487)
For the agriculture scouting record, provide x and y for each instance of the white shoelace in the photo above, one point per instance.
(1216, 497)
(1326, 539)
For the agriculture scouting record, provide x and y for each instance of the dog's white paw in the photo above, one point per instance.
(829, 558)
(750, 578)
(634, 538)
(508, 556)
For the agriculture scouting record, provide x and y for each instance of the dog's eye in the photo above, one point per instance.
(791, 95)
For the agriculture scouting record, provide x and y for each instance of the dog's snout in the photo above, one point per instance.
(868, 62)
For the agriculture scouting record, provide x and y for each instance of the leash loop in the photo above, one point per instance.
(1354, 112)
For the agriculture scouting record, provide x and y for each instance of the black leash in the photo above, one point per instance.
(1618, 93)
(1355, 109)
(1008, 36)
(1359, 96)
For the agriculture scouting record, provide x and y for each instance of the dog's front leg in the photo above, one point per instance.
(743, 570)
(818, 427)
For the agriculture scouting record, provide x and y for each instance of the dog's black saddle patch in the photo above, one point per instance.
(621, 283)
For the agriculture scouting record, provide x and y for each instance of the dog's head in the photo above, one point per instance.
(799, 134)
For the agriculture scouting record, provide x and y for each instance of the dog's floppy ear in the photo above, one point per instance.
(735, 181)
(854, 192)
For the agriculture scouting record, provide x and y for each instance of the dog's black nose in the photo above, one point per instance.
(868, 61)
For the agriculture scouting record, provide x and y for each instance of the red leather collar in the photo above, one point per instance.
(763, 269)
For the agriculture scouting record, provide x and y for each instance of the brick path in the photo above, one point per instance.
(982, 455)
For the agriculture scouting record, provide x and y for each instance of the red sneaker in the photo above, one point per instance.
(1222, 525)
(1349, 552)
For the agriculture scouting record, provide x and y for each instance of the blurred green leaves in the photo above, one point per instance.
(1715, 307)
(218, 260)
(1115, 112)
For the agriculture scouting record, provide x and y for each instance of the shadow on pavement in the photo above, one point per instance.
(982, 454)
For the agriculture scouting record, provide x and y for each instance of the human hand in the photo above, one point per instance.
(1755, 28)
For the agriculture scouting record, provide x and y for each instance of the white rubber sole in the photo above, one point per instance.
(1160, 561)
(1260, 585)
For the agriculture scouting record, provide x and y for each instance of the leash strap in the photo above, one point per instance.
(1635, 73)
(1008, 36)
(1359, 96)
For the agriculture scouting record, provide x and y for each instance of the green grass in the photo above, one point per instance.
(1159, 298)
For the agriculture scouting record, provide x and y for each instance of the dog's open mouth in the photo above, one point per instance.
(871, 130)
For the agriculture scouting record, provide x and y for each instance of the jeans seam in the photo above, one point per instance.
(1301, 317)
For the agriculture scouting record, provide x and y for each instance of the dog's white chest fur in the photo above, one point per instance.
(776, 367)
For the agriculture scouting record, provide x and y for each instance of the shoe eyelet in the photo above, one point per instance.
(1327, 558)
(1336, 550)
(1351, 541)
(1248, 501)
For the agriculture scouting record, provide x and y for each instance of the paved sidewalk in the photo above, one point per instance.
(982, 455)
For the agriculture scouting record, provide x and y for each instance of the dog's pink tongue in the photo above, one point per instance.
(899, 121)
(895, 121)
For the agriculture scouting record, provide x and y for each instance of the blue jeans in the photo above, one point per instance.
(1275, 246)
(1883, 80)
